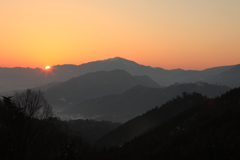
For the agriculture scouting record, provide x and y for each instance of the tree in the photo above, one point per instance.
(34, 127)
(33, 104)
(27, 129)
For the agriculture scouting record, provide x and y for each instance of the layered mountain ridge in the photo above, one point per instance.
(22, 78)
(137, 100)
(94, 85)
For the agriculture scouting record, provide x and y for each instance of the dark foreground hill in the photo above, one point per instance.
(26, 135)
(90, 130)
(149, 120)
(137, 100)
(208, 130)
(94, 85)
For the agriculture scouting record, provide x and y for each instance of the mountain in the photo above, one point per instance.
(161, 76)
(118, 107)
(90, 130)
(94, 85)
(207, 129)
(154, 117)
(22, 78)
(229, 77)
(137, 100)
(47, 86)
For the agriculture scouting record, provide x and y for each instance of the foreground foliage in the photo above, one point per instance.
(208, 130)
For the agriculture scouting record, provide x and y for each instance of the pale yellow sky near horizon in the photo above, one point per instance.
(187, 34)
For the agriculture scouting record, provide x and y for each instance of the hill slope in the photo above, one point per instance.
(154, 117)
(22, 78)
(94, 85)
(229, 77)
(137, 100)
(207, 130)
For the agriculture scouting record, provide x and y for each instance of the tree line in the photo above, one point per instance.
(209, 129)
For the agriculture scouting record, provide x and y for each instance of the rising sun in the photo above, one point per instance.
(47, 67)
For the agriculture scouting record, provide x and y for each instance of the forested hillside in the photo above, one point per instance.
(190, 126)
(207, 130)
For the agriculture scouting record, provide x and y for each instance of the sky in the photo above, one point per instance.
(186, 34)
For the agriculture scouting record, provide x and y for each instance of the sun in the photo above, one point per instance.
(47, 67)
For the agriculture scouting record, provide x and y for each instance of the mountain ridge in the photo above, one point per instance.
(30, 78)
(94, 85)
(209, 129)
(137, 100)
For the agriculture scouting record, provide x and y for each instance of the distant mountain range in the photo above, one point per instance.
(22, 78)
(160, 109)
(137, 100)
(228, 77)
(94, 85)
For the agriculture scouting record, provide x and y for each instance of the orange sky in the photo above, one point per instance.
(187, 34)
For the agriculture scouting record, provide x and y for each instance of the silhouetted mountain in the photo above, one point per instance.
(47, 86)
(90, 130)
(22, 78)
(94, 85)
(161, 76)
(24, 136)
(189, 126)
(149, 120)
(217, 70)
(119, 107)
(229, 77)
(137, 100)
(209, 130)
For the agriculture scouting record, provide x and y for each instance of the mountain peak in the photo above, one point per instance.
(118, 59)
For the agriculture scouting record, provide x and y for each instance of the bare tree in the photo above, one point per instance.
(33, 104)
(26, 131)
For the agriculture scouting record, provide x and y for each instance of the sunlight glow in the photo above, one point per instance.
(168, 34)
(47, 67)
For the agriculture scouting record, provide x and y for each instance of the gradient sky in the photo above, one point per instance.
(187, 34)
